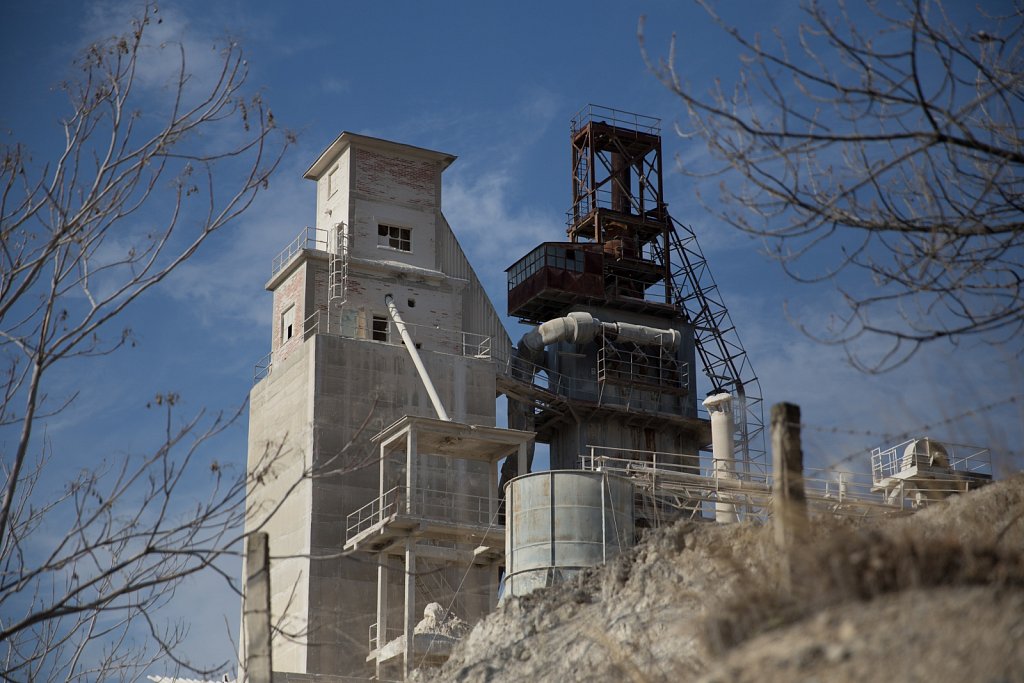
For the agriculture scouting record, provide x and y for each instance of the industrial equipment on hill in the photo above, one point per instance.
(372, 435)
(925, 470)
(623, 309)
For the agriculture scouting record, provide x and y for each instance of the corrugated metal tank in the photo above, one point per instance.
(562, 521)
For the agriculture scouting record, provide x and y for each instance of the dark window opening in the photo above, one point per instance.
(379, 328)
(394, 237)
(287, 324)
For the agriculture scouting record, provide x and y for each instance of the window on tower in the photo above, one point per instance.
(379, 328)
(288, 323)
(394, 237)
(332, 182)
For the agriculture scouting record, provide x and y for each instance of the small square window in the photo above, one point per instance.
(394, 237)
(380, 328)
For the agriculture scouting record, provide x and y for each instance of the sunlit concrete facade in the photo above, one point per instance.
(339, 375)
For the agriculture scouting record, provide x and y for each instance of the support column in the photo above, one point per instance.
(410, 474)
(409, 624)
(720, 408)
(382, 609)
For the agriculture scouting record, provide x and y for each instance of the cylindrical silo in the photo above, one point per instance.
(562, 521)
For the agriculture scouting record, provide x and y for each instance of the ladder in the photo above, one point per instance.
(337, 274)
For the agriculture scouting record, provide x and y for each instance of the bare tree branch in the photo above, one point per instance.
(130, 197)
(886, 158)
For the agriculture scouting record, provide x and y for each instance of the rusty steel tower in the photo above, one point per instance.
(623, 310)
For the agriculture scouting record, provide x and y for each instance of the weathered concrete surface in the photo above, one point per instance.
(328, 393)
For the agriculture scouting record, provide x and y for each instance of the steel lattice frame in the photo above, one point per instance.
(722, 354)
(689, 284)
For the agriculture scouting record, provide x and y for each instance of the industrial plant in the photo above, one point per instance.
(398, 509)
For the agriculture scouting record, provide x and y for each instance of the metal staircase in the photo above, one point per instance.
(725, 361)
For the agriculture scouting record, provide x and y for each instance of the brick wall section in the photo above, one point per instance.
(291, 291)
(395, 179)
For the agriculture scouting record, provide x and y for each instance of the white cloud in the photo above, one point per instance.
(490, 227)
(335, 85)
(224, 282)
(168, 34)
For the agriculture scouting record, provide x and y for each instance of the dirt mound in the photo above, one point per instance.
(950, 634)
(704, 600)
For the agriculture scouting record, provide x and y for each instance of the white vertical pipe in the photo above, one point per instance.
(719, 406)
(416, 360)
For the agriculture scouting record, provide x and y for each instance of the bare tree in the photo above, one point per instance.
(882, 153)
(133, 194)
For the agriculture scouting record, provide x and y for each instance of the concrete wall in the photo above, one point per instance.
(478, 314)
(328, 395)
(333, 190)
(361, 382)
(280, 501)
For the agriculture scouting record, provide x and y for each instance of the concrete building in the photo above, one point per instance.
(372, 441)
(338, 375)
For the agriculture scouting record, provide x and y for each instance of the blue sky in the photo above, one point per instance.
(496, 85)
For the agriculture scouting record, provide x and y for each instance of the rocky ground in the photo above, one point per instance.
(936, 596)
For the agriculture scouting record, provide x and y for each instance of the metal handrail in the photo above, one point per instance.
(597, 112)
(824, 486)
(308, 238)
(964, 459)
(264, 366)
(430, 337)
(389, 634)
(450, 506)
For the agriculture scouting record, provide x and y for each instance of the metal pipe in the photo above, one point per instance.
(720, 408)
(580, 328)
(416, 360)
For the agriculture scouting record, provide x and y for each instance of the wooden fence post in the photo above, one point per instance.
(789, 503)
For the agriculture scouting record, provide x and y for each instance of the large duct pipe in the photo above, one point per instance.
(576, 328)
(581, 328)
(416, 360)
(643, 335)
(720, 408)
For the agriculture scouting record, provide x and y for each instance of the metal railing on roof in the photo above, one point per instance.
(889, 462)
(429, 337)
(308, 238)
(616, 117)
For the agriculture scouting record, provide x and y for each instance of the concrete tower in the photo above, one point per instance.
(338, 375)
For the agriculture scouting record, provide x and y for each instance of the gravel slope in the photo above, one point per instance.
(935, 596)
